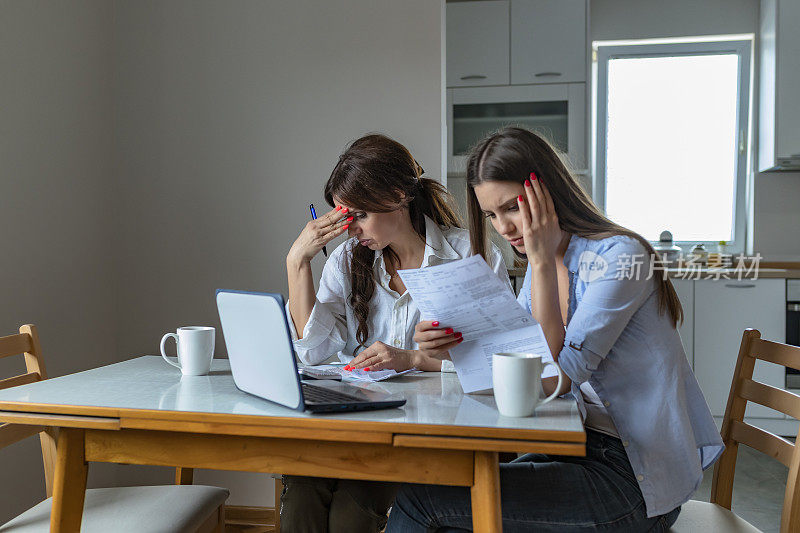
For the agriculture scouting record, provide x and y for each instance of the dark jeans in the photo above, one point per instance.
(319, 505)
(542, 493)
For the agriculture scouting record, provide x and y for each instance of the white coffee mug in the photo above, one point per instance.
(517, 382)
(195, 349)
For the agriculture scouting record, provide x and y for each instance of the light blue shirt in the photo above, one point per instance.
(633, 358)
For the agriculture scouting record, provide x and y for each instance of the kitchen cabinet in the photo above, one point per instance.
(722, 311)
(548, 41)
(477, 48)
(779, 79)
(685, 290)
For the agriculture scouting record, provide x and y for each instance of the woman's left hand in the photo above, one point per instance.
(380, 356)
(540, 228)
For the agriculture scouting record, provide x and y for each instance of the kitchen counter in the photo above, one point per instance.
(706, 273)
(732, 274)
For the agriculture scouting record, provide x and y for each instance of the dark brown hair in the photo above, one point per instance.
(377, 174)
(511, 154)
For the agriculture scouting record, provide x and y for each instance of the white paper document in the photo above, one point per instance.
(467, 296)
(362, 375)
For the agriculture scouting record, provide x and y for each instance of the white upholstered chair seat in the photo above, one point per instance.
(704, 517)
(153, 509)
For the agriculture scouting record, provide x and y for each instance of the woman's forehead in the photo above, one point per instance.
(496, 192)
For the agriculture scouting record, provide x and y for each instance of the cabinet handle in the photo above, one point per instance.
(474, 77)
(742, 286)
(793, 307)
(543, 74)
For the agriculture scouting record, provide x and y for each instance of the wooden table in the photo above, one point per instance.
(143, 411)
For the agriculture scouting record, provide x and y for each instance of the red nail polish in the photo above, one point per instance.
(366, 369)
(461, 339)
(449, 331)
(435, 323)
(347, 367)
(527, 183)
(345, 210)
(533, 176)
(346, 226)
(349, 219)
(458, 334)
(519, 198)
(338, 207)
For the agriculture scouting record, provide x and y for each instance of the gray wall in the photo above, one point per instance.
(776, 196)
(56, 201)
(155, 151)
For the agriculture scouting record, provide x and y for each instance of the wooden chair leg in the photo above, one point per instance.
(278, 492)
(221, 524)
(184, 476)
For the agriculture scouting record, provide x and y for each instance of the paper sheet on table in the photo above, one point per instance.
(361, 375)
(467, 296)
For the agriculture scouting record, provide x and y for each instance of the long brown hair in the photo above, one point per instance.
(511, 154)
(378, 174)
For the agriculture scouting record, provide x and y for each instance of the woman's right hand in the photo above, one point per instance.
(318, 233)
(433, 340)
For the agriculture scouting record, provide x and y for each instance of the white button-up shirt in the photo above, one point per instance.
(331, 328)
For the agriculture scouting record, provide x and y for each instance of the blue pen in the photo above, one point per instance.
(314, 217)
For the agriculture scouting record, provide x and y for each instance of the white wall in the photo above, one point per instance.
(229, 119)
(56, 201)
(776, 196)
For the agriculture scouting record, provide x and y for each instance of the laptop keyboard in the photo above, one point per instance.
(313, 394)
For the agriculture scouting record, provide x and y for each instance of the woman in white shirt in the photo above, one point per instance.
(396, 219)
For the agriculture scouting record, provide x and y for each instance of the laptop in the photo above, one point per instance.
(263, 361)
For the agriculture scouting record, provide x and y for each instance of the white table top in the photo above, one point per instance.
(149, 383)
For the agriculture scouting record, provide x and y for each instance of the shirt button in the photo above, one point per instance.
(640, 477)
(606, 403)
(625, 443)
(397, 342)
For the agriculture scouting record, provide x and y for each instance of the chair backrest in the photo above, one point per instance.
(734, 430)
(26, 343)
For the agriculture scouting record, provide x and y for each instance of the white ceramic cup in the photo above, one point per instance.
(517, 382)
(195, 349)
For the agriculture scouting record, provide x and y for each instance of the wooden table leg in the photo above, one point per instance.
(485, 491)
(69, 487)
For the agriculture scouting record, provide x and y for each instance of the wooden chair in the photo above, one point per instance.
(716, 516)
(133, 509)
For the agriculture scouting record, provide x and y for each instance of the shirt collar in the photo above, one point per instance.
(436, 246)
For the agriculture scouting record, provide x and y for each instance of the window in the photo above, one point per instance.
(671, 138)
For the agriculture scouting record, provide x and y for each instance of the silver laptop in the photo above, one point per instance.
(263, 361)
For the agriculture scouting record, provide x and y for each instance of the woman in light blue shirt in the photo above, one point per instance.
(610, 318)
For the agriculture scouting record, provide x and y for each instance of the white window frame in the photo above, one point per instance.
(738, 46)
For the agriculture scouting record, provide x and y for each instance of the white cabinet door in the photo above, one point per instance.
(779, 77)
(548, 41)
(723, 310)
(685, 290)
(477, 43)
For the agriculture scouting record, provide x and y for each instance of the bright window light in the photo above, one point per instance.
(671, 145)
